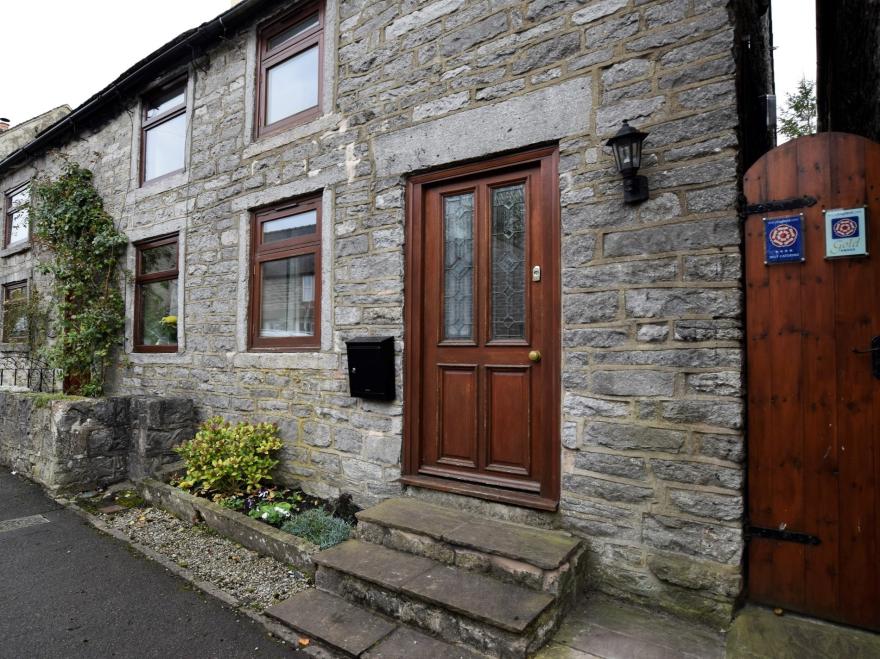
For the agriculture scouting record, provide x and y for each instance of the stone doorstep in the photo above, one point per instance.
(356, 632)
(501, 605)
(556, 582)
(547, 550)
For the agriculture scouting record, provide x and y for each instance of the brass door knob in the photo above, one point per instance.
(535, 356)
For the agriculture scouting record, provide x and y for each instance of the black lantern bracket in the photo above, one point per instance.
(626, 145)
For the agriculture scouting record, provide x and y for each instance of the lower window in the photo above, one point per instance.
(15, 320)
(155, 310)
(285, 277)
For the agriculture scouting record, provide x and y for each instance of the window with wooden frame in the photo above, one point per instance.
(289, 74)
(155, 299)
(15, 320)
(163, 132)
(17, 225)
(285, 310)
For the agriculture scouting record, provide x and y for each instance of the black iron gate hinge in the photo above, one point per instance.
(781, 205)
(780, 534)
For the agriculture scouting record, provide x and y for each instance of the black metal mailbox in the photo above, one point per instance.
(371, 367)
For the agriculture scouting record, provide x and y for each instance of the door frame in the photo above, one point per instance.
(547, 158)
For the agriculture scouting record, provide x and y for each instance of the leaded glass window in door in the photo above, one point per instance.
(508, 262)
(458, 266)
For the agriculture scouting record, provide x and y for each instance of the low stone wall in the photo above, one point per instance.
(262, 538)
(71, 444)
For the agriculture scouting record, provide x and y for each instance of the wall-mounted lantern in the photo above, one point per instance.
(627, 148)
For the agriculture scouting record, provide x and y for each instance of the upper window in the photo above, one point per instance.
(155, 304)
(163, 138)
(285, 277)
(289, 80)
(17, 227)
(15, 321)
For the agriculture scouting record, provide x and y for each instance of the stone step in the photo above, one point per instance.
(488, 615)
(537, 558)
(332, 621)
(352, 631)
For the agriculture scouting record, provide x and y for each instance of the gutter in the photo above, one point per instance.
(129, 80)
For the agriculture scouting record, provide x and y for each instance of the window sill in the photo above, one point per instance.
(322, 123)
(13, 347)
(287, 360)
(17, 248)
(158, 357)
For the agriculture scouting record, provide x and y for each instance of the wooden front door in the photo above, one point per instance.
(482, 386)
(813, 399)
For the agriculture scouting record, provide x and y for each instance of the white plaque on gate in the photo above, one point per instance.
(846, 233)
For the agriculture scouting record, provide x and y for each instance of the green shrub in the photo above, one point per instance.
(229, 459)
(271, 512)
(233, 503)
(318, 527)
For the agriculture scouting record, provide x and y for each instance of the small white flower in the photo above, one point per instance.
(265, 516)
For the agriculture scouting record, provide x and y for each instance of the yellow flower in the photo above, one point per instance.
(169, 320)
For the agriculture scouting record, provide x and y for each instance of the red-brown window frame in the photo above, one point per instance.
(7, 294)
(141, 279)
(260, 253)
(267, 59)
(7, 217)
(147, 124)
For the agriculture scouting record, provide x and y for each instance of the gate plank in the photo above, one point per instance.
(856, 323)
(760, 563)
(819, 390)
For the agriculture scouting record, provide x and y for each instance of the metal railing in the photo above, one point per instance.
(22, 371)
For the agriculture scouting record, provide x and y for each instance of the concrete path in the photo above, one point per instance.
(66, 590)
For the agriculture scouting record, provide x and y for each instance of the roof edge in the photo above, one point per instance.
(132, 78)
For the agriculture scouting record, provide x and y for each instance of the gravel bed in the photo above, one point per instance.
(255, 581)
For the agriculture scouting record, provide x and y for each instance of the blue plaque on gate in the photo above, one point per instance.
(784, 239)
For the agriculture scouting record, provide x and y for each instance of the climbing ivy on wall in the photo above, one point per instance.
(84, 250)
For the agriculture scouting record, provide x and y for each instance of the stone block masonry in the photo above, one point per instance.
(77, 444)
(651, 300)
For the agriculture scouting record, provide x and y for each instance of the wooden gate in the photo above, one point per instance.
(813, 398)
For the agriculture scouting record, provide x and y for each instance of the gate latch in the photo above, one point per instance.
(874, 351)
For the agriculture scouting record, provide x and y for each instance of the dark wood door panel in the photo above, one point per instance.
(508, 417)
(813, 404)
(457, 415)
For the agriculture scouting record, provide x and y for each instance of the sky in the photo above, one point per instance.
(54, 52)
(85, 44)
(794, 41)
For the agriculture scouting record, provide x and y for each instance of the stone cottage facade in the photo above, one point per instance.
(648, 404)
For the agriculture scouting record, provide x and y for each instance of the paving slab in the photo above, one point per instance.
(380, 565)
(607, 628)
(758, 632)
(482, 598)
(541, 548)
(408, 643)
(333, 621)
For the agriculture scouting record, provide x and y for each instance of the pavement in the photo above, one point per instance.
(604, 628)
(67, 590)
